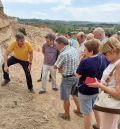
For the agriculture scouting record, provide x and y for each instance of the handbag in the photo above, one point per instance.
(105, 102)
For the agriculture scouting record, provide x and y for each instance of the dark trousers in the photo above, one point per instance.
(11, 61)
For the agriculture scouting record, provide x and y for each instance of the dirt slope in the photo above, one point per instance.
(22, 110)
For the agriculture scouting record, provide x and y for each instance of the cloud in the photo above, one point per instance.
(30, 1)
(66, 10)
(101, 8)
(38, 15)
(97, 13)
(64, 2)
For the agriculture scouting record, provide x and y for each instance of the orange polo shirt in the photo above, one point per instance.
(21, 53)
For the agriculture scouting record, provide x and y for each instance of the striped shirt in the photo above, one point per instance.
(67, 60)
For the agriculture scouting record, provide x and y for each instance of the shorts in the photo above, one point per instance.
(86, 103)
(74, 91)
(66, 87)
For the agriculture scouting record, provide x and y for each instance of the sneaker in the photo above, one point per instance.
(5, 82)
(31, 91)
(55, 89)
(39, 80)
(42, 92)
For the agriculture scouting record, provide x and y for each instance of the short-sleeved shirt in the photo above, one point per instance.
(80, 49)
(74, 43)
(21, 53)
(50, 54)
(67, 60)
(88, 68)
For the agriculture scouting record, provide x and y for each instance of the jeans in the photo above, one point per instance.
(11, 61)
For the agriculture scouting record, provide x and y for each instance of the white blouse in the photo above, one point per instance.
(112, 81)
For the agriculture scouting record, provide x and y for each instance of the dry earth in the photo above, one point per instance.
(22, 110)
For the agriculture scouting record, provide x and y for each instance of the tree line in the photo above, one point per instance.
(63, 27)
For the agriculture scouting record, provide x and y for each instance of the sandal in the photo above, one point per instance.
(77, 112)
(64, 116)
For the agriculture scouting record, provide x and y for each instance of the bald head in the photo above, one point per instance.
(99, 33)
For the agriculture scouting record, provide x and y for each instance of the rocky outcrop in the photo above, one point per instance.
(8, 28)
(1, 6)
(5, 26)
(34, 34)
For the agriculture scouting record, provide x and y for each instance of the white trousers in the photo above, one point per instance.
(109, 121)
(45, 70)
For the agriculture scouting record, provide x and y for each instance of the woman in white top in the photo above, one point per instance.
(111, 50)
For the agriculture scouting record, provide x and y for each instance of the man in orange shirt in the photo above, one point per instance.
(22, 53)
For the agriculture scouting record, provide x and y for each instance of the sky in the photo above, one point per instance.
(68, 10)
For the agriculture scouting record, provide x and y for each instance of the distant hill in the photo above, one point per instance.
(63, 22)
(72, 26)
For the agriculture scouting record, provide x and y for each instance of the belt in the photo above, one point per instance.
(65, 76)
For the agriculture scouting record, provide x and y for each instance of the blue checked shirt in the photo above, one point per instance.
(67, 60)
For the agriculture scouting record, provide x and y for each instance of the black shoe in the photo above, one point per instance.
(39, 80)
(42, 92)
(5, 82)
(55, 89)
(31, 91)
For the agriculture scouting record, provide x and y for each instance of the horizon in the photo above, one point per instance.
(104, 11)
(89, 22)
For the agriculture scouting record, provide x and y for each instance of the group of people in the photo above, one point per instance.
(92, 56)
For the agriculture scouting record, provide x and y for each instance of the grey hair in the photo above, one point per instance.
(62, 40)
(19, 35)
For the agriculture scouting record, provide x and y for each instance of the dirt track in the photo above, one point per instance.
(22, 110)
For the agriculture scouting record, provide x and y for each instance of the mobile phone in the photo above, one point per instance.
(89, 80)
